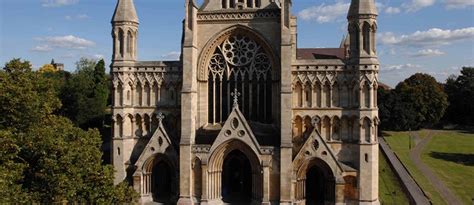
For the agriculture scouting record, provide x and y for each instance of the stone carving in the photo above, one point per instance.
(238, 16)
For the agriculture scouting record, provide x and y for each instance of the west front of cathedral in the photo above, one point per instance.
(245, 116)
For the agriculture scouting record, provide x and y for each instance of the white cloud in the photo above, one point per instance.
(78, 17)
(173, 55)
(428, 53)
(58, 3)
(325, 13)
(415, 5)
(99, 56)
(42, 48)
(431, 37)
(68, 55)
(392, 10)
(82, 16)
(69, 41)
(458, 4)
(399, 67)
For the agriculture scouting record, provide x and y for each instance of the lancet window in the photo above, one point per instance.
(241, 63)
(240, 3)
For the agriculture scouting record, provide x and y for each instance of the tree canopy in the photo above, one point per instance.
(85, 94)
(419, 101)
(460, 90)
(44, 157)
(47, 68)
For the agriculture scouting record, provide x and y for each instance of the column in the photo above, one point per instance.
(204, 182)
(330, 96)
(303, 94)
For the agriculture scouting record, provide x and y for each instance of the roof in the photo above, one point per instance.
(320, 53)
(125, 11)
(362, 7)
(384, 86)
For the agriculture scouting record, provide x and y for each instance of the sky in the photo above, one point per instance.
(429, 36)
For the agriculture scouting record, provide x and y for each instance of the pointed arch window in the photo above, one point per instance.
(121, 42)
(249, 3)
(366, 36)
(224, 4)
(354, 37)
(129, 42)
(240, 63)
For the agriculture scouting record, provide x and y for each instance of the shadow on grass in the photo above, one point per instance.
(464, 159)
(470, 131)
(384, 134)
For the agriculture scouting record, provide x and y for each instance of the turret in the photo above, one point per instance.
(125, 31)
(362, 19)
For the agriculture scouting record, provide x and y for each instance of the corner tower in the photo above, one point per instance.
(362, 19)
(125, 31)
(124, 34)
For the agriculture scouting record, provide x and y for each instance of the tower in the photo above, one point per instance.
(124, 34)
(362, 19)
(125, 31)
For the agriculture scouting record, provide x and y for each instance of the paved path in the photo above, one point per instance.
(415, 156)
(416, 195)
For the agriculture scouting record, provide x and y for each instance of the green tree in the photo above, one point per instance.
(85, 94)
(47, 68)
(26, 97)
(11, 171)
(44, 158)
(460, 92)
(417, 102)
(65, 164)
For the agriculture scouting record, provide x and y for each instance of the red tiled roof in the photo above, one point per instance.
(384, 86)
(320, 53)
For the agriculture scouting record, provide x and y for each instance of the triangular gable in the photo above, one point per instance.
(159, 143)
(315, 146)
(236, 127)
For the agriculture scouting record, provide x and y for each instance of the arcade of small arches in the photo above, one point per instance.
(125, 43)
(226, 4)
(367, 31)
(141, 124)
(337, 129)
(334, 95)
(146, 94)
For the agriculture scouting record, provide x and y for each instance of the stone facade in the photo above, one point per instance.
(245, 116)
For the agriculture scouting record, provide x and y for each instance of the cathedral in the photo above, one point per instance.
(245, 116)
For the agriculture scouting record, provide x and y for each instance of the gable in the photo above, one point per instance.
(316, 147)
(159, 143)
(236, 127)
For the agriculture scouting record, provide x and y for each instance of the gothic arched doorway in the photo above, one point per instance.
(234, 171)
(319, 183)
(162, 180)
(237, 178)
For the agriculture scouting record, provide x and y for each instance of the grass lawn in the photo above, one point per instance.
(450, 154)
(399, 143)
(390, 190)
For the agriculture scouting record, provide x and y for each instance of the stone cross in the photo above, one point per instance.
(160, 117)
(236, 95)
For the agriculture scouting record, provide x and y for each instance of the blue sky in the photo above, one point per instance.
(430, 36)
